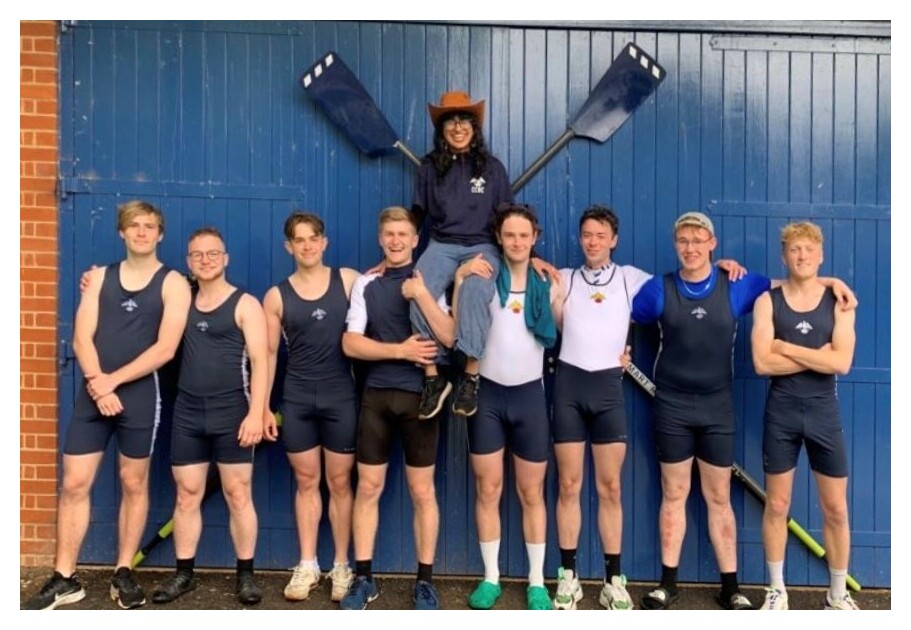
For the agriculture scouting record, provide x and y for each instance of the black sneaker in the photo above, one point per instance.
(173, 587)
(433, 393)
(466, 400)
(125, 591)
(248, 591)
(57, 591)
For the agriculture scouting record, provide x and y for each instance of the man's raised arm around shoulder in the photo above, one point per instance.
(435, 312)
(175, 294)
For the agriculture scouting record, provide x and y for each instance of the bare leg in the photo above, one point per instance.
(191, 487)
(426, 511)
(308, 503)
(366, 514)
(716, 489)
(608, 460)
(74, 508)
(134, 507)
(341, 501)
(675, 488)
(570, 459)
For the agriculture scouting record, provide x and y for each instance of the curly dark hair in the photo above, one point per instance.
(442, 156)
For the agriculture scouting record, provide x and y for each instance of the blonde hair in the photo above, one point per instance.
(130, 210)
(396, 213)
(800, 229)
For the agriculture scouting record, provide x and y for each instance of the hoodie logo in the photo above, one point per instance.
(202, 326)
(129, 306)
(477, 185)
(698, 312)
(804, 327)
(319, 314)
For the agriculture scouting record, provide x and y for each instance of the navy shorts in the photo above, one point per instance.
(511, 416)
(790, 422)
(384, 414)
(136, 426)
(700, 425)
(320, 414)
(588, 404)
(205, 429)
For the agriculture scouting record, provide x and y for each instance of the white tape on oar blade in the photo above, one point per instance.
(307, 80)
(656, 72)
(643, 61)
(318, 70)
(329, 60)
(633, 52)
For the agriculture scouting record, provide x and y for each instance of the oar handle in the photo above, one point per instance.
(538, 164)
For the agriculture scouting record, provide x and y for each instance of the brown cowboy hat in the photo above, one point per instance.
(456, 102)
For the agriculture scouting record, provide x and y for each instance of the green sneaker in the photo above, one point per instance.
(538, 598)
(485, 596)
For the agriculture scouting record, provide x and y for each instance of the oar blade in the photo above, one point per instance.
(340, 95)
(631, 79)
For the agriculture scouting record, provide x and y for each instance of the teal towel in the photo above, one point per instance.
(539, 319)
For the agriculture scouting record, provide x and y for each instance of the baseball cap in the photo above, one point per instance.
(695, 219)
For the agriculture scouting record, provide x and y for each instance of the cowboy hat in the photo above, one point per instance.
(456, 102)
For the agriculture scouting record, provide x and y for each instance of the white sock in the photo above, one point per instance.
(311, 564)
(837, 586)
(535, 563)
(776, 575)
(490, 554)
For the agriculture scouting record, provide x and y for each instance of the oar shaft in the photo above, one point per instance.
(538, 164)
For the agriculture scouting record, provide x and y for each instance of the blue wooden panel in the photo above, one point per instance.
(209, 120)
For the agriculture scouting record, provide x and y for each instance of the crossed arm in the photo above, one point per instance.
(775, 357)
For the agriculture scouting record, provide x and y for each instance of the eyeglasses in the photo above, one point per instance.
(212, 254)
(450, 124)
(683, 243)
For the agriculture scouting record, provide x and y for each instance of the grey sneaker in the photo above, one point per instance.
(775, 600)
(569, 591)
(57, 591)
(341, 576)
(614, 595)
(303, 580)
(125, 591)
(466, 400)
(842, 603)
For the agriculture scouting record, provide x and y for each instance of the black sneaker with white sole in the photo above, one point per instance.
(57, 591)
(125, 591)
(433, 394)
(466, 399)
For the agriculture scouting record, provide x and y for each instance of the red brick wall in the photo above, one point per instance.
(38, 265)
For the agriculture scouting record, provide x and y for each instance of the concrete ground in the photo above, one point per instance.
(215, 591)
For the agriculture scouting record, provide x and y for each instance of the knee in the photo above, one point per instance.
(777, 507)
(307, 480)
(369, 489)
(134, 483)
(675, 492)
(609, 491)
(530, 495)
(488, 492)
(75, 487)
(188, 498)
(423, 494)
(339, 484)
(238, 496)
(835, 512)
(570, 487)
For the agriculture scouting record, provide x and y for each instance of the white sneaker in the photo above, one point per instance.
(775, 599)
(614, 596)
(303, 581)
(845, 603)
(341, 577)
(569, 591)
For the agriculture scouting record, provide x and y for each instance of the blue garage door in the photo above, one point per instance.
(208, 120)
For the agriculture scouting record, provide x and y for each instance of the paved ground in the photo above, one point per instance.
(215, 592)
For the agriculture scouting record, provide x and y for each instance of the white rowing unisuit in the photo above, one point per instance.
(596, 315)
